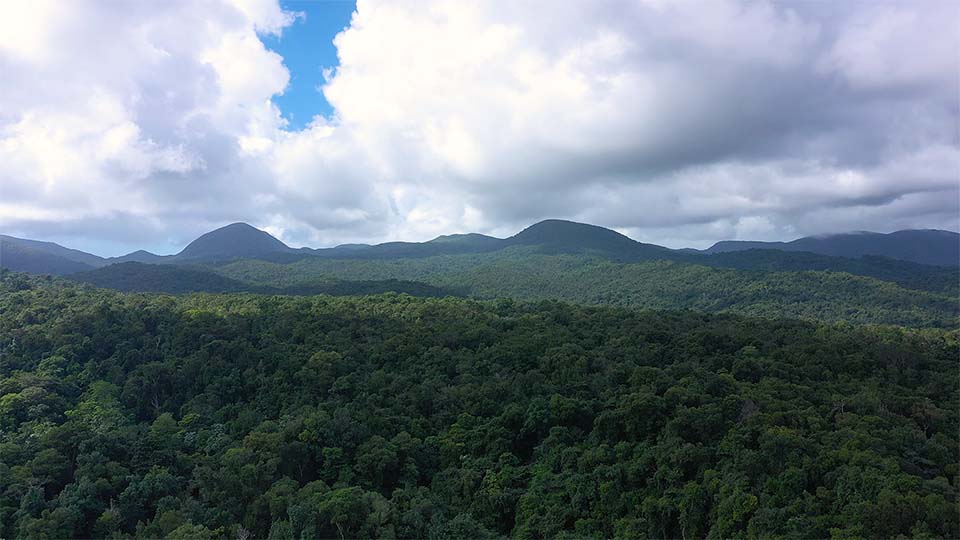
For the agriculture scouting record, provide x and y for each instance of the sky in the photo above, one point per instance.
(127, 125)
(307, 49)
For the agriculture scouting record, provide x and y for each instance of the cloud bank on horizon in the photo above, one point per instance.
(676, 123)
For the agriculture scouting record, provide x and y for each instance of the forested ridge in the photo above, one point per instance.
(550, 260)
(171, 279)
(216, 416)
(526, 273)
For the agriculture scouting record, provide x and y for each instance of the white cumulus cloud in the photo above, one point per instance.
(682, 123)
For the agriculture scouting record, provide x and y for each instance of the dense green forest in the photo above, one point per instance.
(226, 416)
(179, 279)
(525, 273)
(909, 275)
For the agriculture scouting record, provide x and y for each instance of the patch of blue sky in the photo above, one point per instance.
(308, 51)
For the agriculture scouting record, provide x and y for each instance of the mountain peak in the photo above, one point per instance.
(464, 238)
(572, 234)
(233, 241)
(237, 225)
(140, 256)
(571, 237)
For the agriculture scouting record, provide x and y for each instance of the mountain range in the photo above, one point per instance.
(928, 246)
(551, 260)
(242, 241)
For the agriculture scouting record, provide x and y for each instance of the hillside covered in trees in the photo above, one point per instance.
(225, 416)
(528, 273)
(550, 260)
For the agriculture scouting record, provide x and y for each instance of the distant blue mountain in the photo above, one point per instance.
(141, 256)
(49, 248)
(38, 257)
(926, 246)
(570, 237)
(237, 240)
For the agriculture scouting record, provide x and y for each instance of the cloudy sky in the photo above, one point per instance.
(143, 124)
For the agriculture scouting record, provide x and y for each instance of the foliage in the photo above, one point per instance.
(525, 273)
(909, 275)
(215, 416)
(179, 279)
